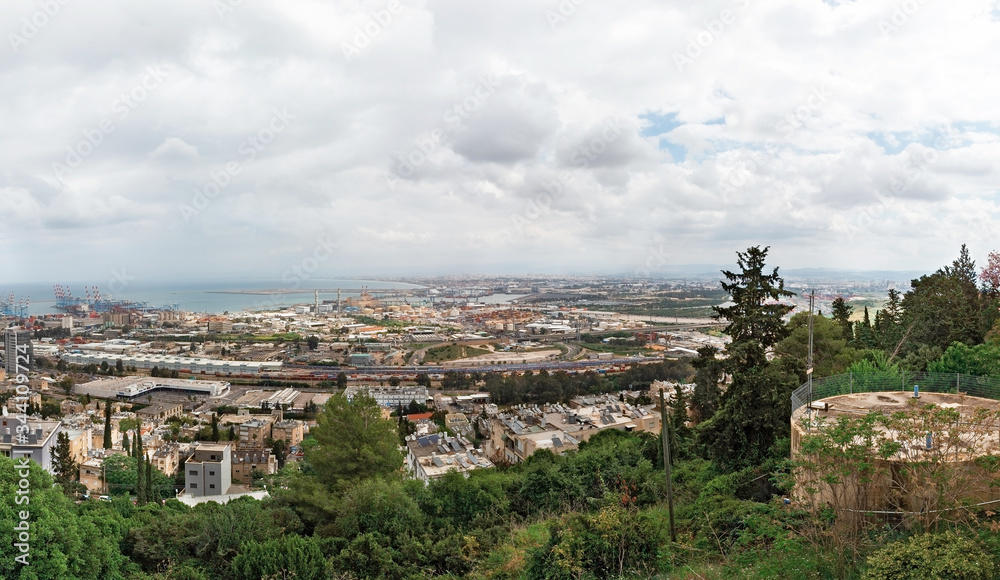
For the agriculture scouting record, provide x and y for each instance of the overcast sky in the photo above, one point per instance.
(191, 138)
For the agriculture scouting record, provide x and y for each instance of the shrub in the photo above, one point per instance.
(931, 557)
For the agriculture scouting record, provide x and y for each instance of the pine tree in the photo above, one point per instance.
(755, 408)
(841, 312)
(65, 468)
(708, 374)
(107, 424)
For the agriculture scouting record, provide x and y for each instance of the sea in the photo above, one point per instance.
(216, 297)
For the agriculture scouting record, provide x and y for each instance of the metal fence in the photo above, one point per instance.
(986, 387)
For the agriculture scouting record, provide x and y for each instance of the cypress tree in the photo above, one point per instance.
(215, 427)
(107, 424)
(125, 445)
(149, 482)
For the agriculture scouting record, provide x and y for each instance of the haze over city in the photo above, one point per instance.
(213, 139)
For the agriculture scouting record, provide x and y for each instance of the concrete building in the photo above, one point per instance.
(432, 456)
(359, 359)
(157, 413)
(389, 396)
(516, 435)
(936, 465)
(128, 388)
(92, 474)
(70, 407)
(291, 431)
(36, 444)
(166, 458)
(184, 364)
(246, 461)
(208, 471)
(80, 443)
(18, 351)
(253, 434)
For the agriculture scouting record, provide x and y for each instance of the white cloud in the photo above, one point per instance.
(795, 125)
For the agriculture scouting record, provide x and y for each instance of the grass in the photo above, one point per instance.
(453, 352)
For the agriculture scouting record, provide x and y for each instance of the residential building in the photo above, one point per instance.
(459, 424)
(253, 434)
(246, 461)
(17, 351)
(208, 471)
(80, 443)
(290, 431)
(70, 407)
(432, 456)
(92, 474)
(36, 444)
(514, 436)
(157, 413)
(166, 458)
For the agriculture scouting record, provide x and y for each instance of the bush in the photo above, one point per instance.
(931, 557)
(610, 543)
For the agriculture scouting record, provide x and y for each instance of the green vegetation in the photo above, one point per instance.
(452, 352)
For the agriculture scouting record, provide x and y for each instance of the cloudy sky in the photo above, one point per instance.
(191, 138)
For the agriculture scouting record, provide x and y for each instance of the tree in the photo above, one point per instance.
(424, 380)
(285, 557)
(831, 353)
(313, 342)
(354, 442)
(119, 367)
(341, 381)
(945, 307)
(864, 332)
(755, 409)
(65, 468)
(105, 367)
(125, 444)
(107, 424)
(841, 312)
(755, 316)
(278, 450)
(990, 276)
(889, 321)
(215, 427)
(708, 375)
(394, 381)
(232, 433)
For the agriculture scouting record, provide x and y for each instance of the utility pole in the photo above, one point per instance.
(665, 433)
(809, 359)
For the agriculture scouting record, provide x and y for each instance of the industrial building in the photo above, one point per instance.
(131, 387)
(182, 364)
(389, 396)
